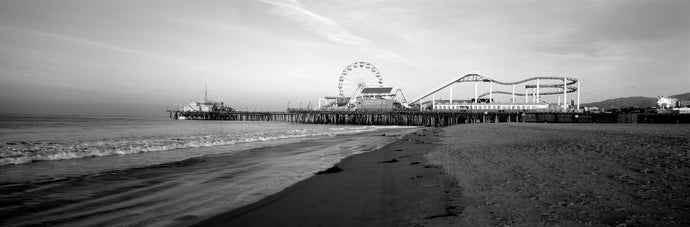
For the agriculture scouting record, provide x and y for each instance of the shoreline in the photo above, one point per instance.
(185, 191)
(394, 185)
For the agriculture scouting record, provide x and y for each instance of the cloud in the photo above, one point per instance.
(82, 41)
(329, 29)
(170, 60)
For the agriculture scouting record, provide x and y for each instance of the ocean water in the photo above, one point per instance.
(148, 171)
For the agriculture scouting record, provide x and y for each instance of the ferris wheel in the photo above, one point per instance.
(358, 75)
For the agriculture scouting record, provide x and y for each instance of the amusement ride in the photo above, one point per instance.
(357, 76)
(360, 86)
(534, 87)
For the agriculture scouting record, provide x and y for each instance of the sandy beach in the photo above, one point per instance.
(570, 174)
(393, 186)
(496, 175)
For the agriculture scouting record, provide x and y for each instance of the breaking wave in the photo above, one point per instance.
(24, 152)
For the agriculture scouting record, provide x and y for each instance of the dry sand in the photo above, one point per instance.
(569, 174)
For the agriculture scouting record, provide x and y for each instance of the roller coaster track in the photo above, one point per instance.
(569, 85)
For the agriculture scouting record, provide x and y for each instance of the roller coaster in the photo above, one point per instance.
(533, 87)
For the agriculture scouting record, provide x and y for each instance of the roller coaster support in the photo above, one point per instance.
(433, 101)
(451, 95)
(491, 91)
(565, 96)
(578, 95)
(475, 92)
(538, 97)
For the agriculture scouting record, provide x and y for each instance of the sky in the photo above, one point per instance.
(139, 57)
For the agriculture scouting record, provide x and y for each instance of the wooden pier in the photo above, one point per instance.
(426, 118)
(231, 115)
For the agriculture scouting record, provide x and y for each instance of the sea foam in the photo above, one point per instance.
(20, 152)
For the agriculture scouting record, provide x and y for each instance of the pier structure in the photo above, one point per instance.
(231, 115)
(374, 104)
(399, 118)
(439, 118)
(534, 87)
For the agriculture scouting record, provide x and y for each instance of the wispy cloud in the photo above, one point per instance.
(329, 29)
(170, 60)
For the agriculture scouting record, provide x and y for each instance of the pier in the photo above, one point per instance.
(427, 118)
(374, 104)
(231, 115)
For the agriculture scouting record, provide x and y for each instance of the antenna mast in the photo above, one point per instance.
(205, 93)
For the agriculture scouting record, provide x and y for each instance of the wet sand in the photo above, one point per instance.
(181, 192)
(393, 186)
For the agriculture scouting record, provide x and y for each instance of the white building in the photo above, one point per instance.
(665, 103)
(206, 106)
(466, 105)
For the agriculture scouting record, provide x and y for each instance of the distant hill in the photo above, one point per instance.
(636, 101)
(684, 97)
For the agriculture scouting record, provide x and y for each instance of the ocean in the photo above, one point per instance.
(152, 171)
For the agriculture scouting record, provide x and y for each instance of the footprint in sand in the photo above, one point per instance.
(390, 161)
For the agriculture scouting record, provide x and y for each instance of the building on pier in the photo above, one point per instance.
(199, 108)
(366, 98)
(469, 105)
(204, 106)
(375, 98)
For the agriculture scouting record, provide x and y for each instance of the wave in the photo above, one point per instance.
(25, 152)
